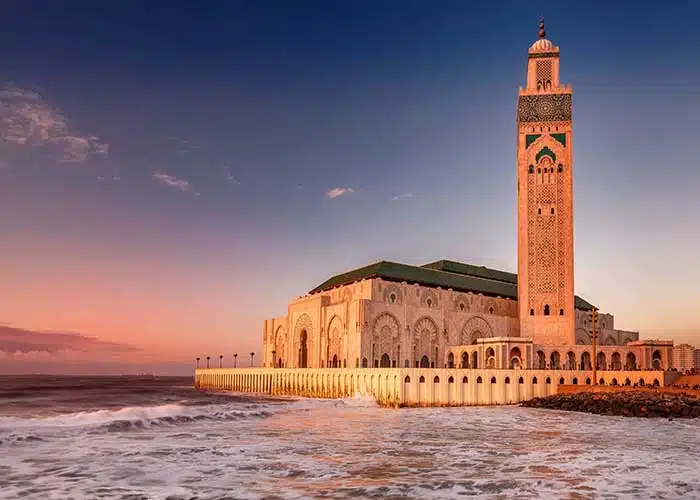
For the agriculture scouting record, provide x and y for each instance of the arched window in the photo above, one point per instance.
(465, 380)
(429, 302)
(479, 381)
(575, 381)
(422, 379)
(451, 380)
(507, 380)
(560, 168)
(561, 312)
(531, 169)
(539, 170)
(546, 310)
(364, 362)
(407, 380)
(588, 381)
(532, 312)
(461, 306)
(436, 380)
(548, 381)
(490, 310)
(534, 380)
(493, 380)
(392, 298)
(561, 381)
(539, 211)
(551, 210)
(521, 381)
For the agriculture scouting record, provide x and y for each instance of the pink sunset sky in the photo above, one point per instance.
(173, 178)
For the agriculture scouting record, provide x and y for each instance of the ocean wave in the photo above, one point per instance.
(135, 417)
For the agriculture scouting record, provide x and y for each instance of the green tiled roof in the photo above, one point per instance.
(443, 273)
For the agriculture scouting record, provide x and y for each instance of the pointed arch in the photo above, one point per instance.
(425, 338)
(280, 347)
(334, 333)
(386, 331)
(303, 341)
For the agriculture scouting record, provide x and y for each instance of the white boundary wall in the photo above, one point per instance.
(414, 386)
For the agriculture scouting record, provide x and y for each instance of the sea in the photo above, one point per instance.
(159, 438)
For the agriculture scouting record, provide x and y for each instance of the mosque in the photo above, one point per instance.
(447, 314)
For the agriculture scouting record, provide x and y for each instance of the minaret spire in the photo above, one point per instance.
(543, 33)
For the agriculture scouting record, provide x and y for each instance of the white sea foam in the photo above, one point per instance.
(352, 449)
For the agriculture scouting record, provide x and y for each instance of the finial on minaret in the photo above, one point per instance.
(543, 33)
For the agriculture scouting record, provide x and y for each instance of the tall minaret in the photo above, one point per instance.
(545, 201)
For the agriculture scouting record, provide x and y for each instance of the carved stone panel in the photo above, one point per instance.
(544, 108)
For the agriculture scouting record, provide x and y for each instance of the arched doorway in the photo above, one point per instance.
(303, 350)
(554, 360)
(475, 360)
(656, 363)
(451, 361)
(334, 363)
(571, 360)
(586, 361)
(424, 362)
(515, 358)
(385, 361)
(490, 358)
(631, 361)
(616, 361)
(601, 363)
(465, 360)
(541, 360)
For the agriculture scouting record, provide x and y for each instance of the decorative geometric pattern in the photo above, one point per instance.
(539, 55)
(474, 328)
(543, 70)
(385, 335)
(429, 299)
(544, 108)
(395, 291)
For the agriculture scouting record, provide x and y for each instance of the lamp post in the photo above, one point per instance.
(207, 361)
(251, 358)
(197, 362)
(594, 318)
(235, 360)
(221, 360)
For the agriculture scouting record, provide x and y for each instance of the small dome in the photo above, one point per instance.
(542, 45)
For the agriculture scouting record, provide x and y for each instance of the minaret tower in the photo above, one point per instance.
(545, 201)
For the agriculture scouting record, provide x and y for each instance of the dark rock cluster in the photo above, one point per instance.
(626, 404)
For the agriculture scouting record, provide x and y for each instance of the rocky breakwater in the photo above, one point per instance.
(626, 404)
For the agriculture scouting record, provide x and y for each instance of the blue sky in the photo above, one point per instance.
(203, 142)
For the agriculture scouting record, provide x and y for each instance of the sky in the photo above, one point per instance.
(171, 174)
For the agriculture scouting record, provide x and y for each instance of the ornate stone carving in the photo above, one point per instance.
(544, 108)
(474, 328)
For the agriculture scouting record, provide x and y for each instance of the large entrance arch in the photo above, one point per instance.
(303, 349)
(385, 361)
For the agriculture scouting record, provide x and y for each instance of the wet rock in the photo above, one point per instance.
(643, 404)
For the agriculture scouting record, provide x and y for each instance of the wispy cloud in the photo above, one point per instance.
(26, 119)
(335, 192)
(402, 195)
(19, 343)
(171, 181)
(232, 180)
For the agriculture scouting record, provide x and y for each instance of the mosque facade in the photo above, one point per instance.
(448, 314)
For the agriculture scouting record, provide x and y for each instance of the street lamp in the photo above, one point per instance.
(207, 361)
(235, 359)
(221, 360)
(197, 362)
(251, 358)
